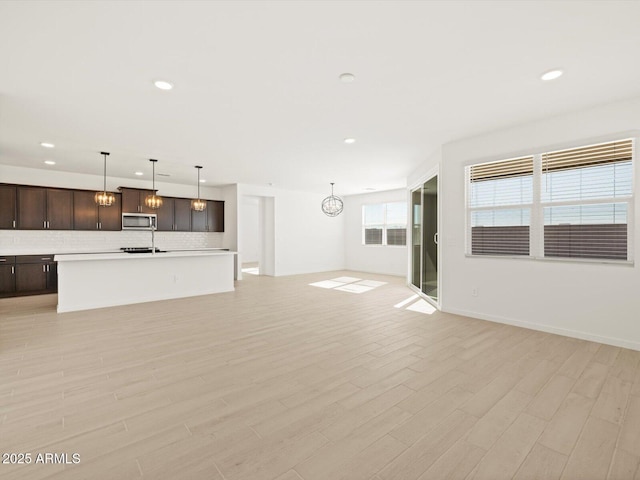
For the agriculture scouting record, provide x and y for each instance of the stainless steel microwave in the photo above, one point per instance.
(139, 221)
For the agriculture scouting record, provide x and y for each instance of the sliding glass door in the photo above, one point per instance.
(424, 238)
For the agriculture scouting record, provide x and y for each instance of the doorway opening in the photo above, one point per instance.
(257, 235)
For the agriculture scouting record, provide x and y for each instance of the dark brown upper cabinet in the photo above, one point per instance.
(182, 215)
(8, 207)
(44, 208)
(199, 220)
(174, 215)
(215, 216)
(87, 215)
(133, 200)
(166, 215)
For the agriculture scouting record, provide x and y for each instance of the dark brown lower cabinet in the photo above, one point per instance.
(35, 274)
(31, 277)
(7, 280)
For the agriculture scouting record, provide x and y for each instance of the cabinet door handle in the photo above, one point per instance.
(44, 268)
(100, 225)
(3, 259)
(45, 258)
(48, 267)
(44, 224)
(14, 224)
(13, 270)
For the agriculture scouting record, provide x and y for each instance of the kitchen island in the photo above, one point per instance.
(96, 280)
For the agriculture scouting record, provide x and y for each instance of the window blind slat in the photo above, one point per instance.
(516, 167)
(612, 152)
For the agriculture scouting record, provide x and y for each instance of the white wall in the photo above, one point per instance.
(389, 260)
(586, 300)
(305, 240)
(15, 242)
(250, 229)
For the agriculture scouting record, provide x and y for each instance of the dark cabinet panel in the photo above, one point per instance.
(110, 218)
(31, 203)
(133, 200)
(182, 214)
(7, 279)
(199, 221)
(166, 215)
(85, 211)
(59, 209)
(7, 206)
(87, 215)
(31, 277)
(130, 200)
(215, 216)
(52, 277)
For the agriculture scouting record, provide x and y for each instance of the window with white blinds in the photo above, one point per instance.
(384, 224)
(500, 196)
(572, 203)
(586, 196)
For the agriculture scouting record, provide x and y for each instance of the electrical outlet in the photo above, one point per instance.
(474, 291)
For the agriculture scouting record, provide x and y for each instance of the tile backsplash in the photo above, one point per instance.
(25, 242)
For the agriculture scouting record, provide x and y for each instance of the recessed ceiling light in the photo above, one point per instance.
(349, 140)
(49, 162)
(163, 84)
(551, 75)
(347, 77)
(202, 180)
(47, 145)
(369, 189)
(139, 174)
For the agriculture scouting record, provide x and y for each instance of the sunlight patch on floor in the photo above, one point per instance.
(421, 306)
(349, 284)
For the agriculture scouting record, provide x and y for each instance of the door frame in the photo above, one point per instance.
(434, 172)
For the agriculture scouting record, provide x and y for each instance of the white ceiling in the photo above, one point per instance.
(257, 97)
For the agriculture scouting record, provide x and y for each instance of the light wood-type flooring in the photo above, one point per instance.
(282, 380)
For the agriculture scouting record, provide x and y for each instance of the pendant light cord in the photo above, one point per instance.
(105, 173)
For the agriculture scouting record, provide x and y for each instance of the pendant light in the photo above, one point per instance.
(104, 198)
(153, 201)
(332, 206)
(198, 205)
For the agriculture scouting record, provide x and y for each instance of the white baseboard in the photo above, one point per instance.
(616, 342)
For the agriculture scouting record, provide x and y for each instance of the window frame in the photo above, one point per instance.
(536, 228)
(384, 225)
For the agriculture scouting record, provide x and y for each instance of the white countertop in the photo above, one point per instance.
(80, 257)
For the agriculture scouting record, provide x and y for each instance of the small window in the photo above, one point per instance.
(500, 196)
(384, 224)
(585, 194)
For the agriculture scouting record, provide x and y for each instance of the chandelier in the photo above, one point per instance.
(332, 205)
